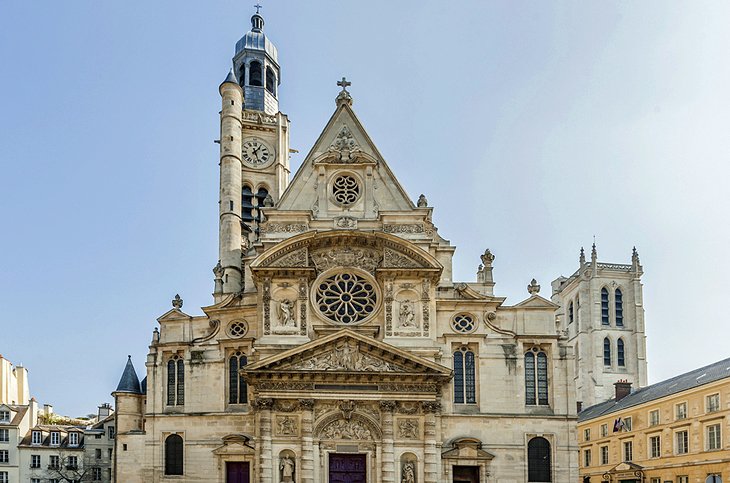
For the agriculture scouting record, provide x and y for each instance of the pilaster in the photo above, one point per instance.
(387, 462)
(307, 406)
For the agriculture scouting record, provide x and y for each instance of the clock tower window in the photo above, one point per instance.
(247, 205)
(270, 80)
(254, 74)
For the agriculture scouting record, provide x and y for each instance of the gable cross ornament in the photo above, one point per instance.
(258, 7)
(344, 95)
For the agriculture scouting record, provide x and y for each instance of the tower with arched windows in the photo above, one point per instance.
(602, 313)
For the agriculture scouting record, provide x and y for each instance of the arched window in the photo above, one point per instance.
(536, 378)
(255, 74)
(242, 75)
(464, 376)
(604, 306)
(620, 358)
(247, 205)
(175, 381)
(237, 388)
(270, 80)
(261, 195)
(570, 313)
(539, 460)
(606, 352)
(174, 455)
(619, 300)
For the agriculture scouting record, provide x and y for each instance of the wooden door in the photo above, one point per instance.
(237, 472)
(347, 468)
(466, 474)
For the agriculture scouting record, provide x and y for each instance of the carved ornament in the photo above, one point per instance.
(296, 259)
(283, 227)
(408, 428)
(393, 259)
(346, 356)
(343, 429)
(364, 258)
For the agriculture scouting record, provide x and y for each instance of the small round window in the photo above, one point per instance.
(346, 298)
(463, 323)
(237, 329)
(345, 190)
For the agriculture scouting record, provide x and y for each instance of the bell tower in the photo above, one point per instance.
(254, 155)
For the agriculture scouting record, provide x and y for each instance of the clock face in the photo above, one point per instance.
(256, 153)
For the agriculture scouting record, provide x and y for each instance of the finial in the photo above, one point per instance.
(177, 302)
(344, 95)
(594, 252)
(582, 256)
(231, 77)
(129, 357)
(258, 7)
(487, 258)
(422, 201)
(533, 288)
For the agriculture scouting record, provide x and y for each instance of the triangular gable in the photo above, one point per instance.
(173, 314)
(344, 129)
(348, 351)
(536, 302)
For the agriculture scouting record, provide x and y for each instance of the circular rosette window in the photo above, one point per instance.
(345, 190)
(346, 297)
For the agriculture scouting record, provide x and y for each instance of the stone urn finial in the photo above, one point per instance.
(533, 288)
(177, 302)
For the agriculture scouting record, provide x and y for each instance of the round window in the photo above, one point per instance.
(346, 298)
(463, 323)
(237, 329)
(345, 190)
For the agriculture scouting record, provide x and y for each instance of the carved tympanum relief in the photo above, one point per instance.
(366, 259)
(408, 428)
(344, 429)
(346, 356)
(287, 426)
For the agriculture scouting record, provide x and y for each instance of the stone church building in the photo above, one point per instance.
(338, 347)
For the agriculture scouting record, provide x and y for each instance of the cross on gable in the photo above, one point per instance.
(344, 83)
(258, 7)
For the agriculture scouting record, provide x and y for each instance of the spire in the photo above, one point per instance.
(231, 77)
(594, 253)
(257, 21)
(129, 382)
(635, 263)
(582, 257)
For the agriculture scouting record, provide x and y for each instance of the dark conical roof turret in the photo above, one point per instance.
(231, 77)
(129, 382)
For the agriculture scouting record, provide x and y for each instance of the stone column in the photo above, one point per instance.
(388, 463)
(263, 406)
(431, 456)
(307, 406)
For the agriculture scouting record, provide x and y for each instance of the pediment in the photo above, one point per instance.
(371, 252)
(234, 444)
(625, 467)
(537, 302)
(173, 314)
(347, 351)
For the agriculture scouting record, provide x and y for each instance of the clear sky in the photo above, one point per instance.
(530, 126)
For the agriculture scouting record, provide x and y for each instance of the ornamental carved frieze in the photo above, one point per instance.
(346, 356)
(284, 386)
(283, 227)
(393, 259)
(344, 429)
(406, 387)
(408, 229)
(296, 259)
(344, 256)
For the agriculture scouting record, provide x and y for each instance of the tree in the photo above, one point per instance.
(70, 468)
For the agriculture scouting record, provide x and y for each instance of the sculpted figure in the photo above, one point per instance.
(287, 426)
(406, 317)
(286, 313)
(409, 472)
(287, 469)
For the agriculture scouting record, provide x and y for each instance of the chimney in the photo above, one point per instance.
(104, 410)
(47, 409)
(623, 389)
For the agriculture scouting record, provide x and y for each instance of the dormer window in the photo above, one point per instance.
(4, 416)
(36, 437)
(55, 438)
(73, 439)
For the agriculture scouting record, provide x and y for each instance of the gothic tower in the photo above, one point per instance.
(254, 153)
(602, 313)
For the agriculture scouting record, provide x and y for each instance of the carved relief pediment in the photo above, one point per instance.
(346, 356)
(367, 259)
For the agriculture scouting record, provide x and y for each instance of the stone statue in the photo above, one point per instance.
(406, 316)
(409, 472)
(286, 313)
(422, 201)
(268, 201)
(287, 469)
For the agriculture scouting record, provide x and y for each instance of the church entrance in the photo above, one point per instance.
(237, 472)
(466, 474)
(347, 468)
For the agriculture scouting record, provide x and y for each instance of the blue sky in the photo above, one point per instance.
(530, 126)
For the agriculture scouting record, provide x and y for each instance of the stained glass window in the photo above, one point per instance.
(175, 381)
(471, 397)
(458, 377)
(237, 388)
(464, 376)
(536, 378)
(530, 398)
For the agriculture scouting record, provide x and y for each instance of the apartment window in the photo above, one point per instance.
(4, 436)
(464, 376)
(683, 479)
(628, 450)
(604, 430)
(655, 447)
(4, 456)
(55, 438)
(606, 352)
(587, 458)
(96, 474)
(604, 306)
(536, 378)
(54, 462)
(3, 477)
(587, 434)
(35, 461)
(4, 416)
(237, 388)
(680, 411)
(713, 437)
(175, 381)
(35, 437)
(655, 480)
(682, 442)
(111, 432)
(713, 403)
(627, 423)
(604, 455)
(73, 463)
(654, 417)
(97, 453)
(73, 439)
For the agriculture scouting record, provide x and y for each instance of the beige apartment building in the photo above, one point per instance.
(674, 431)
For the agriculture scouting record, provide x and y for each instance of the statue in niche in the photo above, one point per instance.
(287, 321)
(286, 466)
(409, 472)
(406, 315)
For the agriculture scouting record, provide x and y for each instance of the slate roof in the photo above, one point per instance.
(129, 381)
(231, 77)
(698, 377)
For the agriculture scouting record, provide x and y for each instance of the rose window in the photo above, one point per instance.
(346, 298)
(237, 329)
(345, 190)
(463, 323)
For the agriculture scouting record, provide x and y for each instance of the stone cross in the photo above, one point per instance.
(344, 83)
(258, 7)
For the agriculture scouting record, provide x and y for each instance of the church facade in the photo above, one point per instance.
(338, 347)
